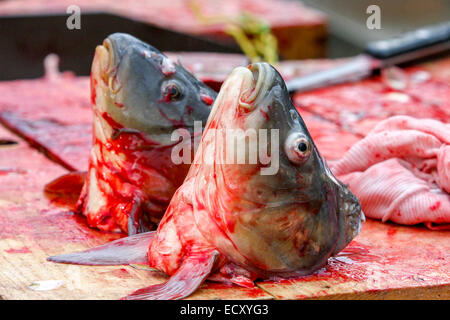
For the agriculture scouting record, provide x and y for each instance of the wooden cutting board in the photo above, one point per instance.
(384, 261)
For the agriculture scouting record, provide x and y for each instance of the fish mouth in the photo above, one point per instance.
(108, 60)
(263, 80)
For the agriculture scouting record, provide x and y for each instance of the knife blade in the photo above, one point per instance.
(408, 47)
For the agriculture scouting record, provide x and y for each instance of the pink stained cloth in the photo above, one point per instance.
(401, 171)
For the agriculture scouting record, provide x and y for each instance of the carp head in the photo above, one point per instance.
(278, 208)
(140, 89)
(139, 98)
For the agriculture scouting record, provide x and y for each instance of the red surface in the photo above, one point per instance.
(21, 197)
(66, 144)
(53, 114)
(331, 141)
(382, 256)
(65, 190)
(358, 107)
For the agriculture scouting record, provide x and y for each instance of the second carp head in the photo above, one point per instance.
(139, 98)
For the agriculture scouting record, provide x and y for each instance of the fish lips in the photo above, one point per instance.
(119, 45)
(265, 77)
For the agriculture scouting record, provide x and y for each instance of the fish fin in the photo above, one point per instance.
(191, 274)
(65, 191)
(243, 281)
(136, 222)
(121, 251)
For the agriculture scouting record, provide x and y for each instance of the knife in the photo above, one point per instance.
(378, 55)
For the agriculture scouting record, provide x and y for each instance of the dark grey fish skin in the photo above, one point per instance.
(156, 95)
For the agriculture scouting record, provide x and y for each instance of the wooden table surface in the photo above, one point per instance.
(386, 261)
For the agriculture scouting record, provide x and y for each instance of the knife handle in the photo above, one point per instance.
(410, 41)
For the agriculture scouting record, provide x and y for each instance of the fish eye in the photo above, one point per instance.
(297, 147)
(302, 146)
(171, 92)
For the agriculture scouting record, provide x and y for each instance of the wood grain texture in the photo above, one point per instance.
(385, 261)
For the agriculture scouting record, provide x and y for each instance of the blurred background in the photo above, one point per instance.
(347, 20)
(307, 29)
